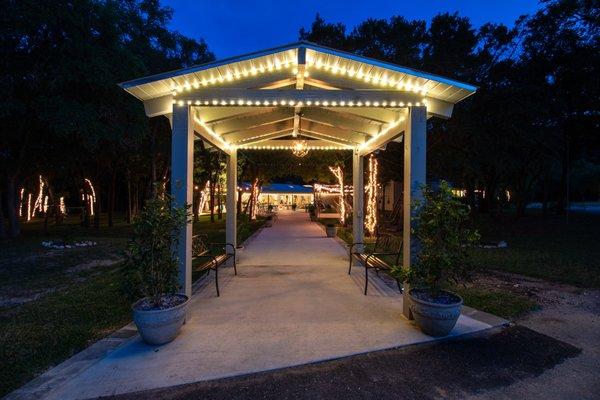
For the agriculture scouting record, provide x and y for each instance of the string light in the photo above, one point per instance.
(92, 196)
(210, 79)
(29, 211)
(257, 147)
(38, 201)
(62, 206)
(21, 193)
(383, 103)
(45, 204)
(255, 190)
(383, 132)
(212, 133)
(371, 217)
(338, 172)
(380, 80)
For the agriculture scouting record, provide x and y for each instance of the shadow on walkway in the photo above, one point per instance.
(453, 369)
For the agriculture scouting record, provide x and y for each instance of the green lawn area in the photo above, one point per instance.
(57, 302)
(543, 246)
(502, 303)
(539, 246)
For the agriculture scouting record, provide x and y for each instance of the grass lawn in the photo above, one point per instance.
(56, 302)
(499, 302)
(502, 303)
(544, 246)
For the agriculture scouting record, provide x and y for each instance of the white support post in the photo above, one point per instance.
(415, 146)
(182, 164)
(358, 189)
(231, 215)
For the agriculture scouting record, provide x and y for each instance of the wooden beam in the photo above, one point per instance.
(281, 144)
(159, 106)
(213, 115)
(301, 68)
(277, 84)
(225, 97)
(269, 136)
(261, 130)
(381, 115)
(207, 134)
(329, 139)
(383, 138)
(247, 122)
(333, 131)
(229, 97)
(342, 120)
(321, 84)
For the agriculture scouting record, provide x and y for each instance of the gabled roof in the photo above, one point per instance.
(244, 69)
(336, 99)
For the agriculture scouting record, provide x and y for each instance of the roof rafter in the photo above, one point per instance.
(235, 124)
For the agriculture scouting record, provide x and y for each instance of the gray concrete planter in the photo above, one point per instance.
(331, 231)
(158, 327)
(435, 319)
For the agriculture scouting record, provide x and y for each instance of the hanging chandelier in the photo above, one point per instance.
(299, 146)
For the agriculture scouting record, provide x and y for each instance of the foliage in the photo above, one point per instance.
(443, 239)
(152, 262)
(502, 303)
(534, 116)
(61, 64)
(68, 307)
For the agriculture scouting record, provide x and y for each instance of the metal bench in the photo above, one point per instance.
(373, 260)
(201, 249)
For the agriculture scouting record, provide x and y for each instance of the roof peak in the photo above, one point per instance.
(291, 46)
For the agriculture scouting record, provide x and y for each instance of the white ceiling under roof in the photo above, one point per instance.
(332, 98)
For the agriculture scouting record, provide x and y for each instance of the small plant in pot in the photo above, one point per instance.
(312, 212)
(331, 230)
(152, 270)
(269, 221)
(443, 238)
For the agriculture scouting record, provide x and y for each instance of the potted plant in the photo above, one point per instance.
(152, 270)
(269, 221)
(331, 230)
(443, 238)
(312, 212)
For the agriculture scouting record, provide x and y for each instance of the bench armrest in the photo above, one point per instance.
(225, 245)
(377, 255)
(214, 259)
(354, 244)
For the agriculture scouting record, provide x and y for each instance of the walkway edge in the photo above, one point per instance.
(44, 383)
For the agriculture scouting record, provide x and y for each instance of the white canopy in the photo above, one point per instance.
(332, 98)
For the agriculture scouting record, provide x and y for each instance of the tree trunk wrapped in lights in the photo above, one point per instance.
(338, 172)
(371, 218)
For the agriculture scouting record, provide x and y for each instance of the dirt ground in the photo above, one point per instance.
(569, 314)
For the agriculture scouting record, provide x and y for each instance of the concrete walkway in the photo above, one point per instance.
(292, 303)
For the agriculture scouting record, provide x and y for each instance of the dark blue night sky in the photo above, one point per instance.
(234, 27)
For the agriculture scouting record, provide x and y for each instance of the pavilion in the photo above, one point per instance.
(269, 99)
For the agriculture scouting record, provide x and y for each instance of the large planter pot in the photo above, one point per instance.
(159, 326)
(435, 318)
(331, 231)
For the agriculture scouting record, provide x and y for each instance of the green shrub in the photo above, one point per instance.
(443, 238)
(152, 262)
